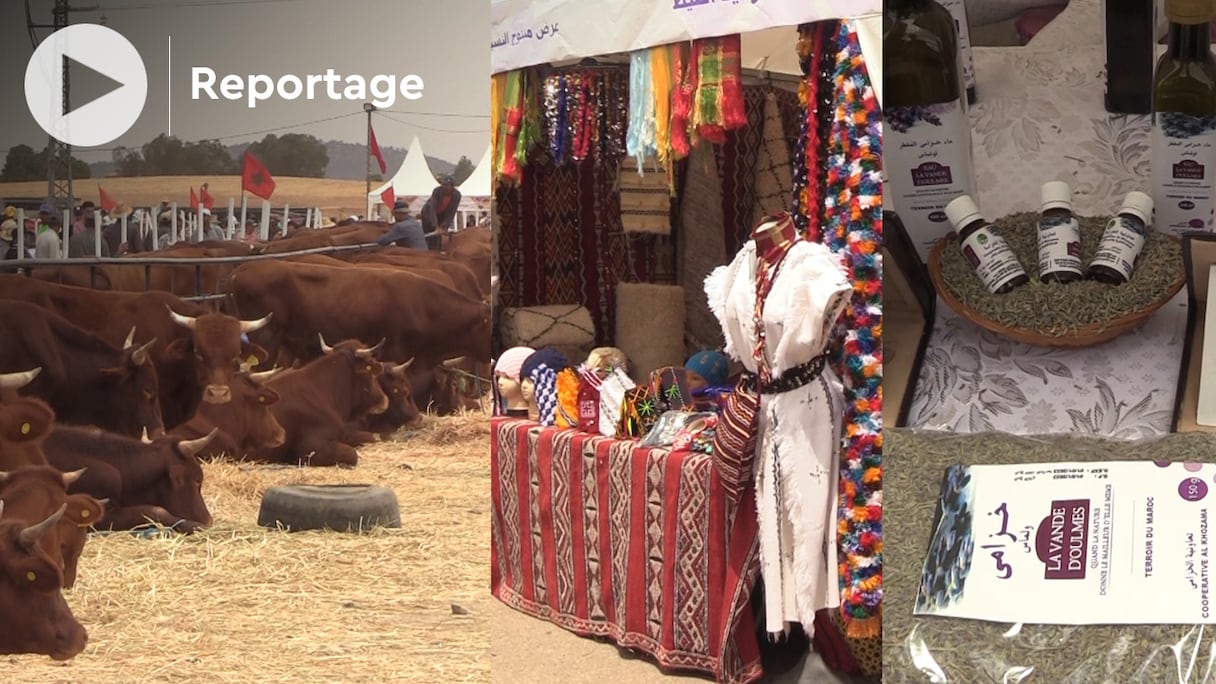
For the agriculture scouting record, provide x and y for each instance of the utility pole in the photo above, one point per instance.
(59, 192)
(369, 108)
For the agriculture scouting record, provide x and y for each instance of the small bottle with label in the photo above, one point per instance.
(987, 253)
(1122, 241)
(1059, 236)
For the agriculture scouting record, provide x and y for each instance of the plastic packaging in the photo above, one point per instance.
(938, 650)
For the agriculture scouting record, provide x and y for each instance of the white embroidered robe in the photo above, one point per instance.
(798, 449)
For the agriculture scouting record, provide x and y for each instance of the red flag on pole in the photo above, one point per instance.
(388, 197)
(374, 148)
(193, 200)
(107, 203)
(255, 179)
(205, 197)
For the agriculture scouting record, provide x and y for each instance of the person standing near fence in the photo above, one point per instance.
(406, 231)
(47, 243)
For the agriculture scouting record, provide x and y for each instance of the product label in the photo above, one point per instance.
(958, 10)
(1059, 245)
(991, 259)
(927, 158)
(1184, 161)
(1121, 244)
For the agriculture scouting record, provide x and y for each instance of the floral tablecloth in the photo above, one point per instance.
(1040, 117)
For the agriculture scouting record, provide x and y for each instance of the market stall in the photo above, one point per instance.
(624, 184)
(1049, 479)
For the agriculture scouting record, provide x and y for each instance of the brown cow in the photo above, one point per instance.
(318, 403)
(473, 247)
(159, 482)
(415, 315)
(84, 378)
(34, 617)
(29, 491)
(24, 424)
(402, 410)
(217, 350)
(244, 424)
(111, 315)
(461, 276)
(364, 232)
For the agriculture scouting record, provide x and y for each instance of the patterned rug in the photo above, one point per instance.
(606, 539)
(561, 241)
(737, 161)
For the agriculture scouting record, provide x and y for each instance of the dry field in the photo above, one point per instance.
(239, 603)
(334, 197)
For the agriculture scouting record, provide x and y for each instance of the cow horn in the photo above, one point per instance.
(143, 437)
(188, 322)
(14, 381)
(140, 356)
(324, 347)
(402, 368)
(33, 533)
(70, 479)
(3, 476)
(453, 363)
(1, 508)
(365, 353)
(250, 326)
(130, 339)
(191, 447)
(263, 376)
(103, 502)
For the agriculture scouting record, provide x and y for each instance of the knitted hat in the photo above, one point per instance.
(711, 365)
(511, 361)
(545, 391)
(549, 357)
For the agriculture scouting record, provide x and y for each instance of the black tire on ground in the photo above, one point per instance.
(342, 508)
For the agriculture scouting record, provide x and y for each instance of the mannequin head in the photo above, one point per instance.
(507, 372)
(774, 231)
(707, 368)
(527, 392)
(603, 360)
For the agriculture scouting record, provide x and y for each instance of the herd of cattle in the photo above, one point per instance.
(111, 395)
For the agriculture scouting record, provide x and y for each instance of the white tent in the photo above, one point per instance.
(413, 179)
(478, 183)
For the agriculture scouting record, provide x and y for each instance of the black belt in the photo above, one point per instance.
(792, 379)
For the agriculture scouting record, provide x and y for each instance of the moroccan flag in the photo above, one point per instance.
(374, 148)
(206, 197)
(255, 179)
(107, 203)
(193, 200)
(388, 197)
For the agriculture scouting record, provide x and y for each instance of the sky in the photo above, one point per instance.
(445, 42)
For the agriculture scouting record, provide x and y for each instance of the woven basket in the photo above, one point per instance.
(1089, 335)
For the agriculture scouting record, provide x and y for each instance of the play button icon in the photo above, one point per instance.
(97, 56)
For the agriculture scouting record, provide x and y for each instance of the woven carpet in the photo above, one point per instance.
(737, 161)
(561, 241)
(607, 539)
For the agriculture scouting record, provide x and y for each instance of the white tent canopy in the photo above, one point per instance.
(478, 183)
(413, 179)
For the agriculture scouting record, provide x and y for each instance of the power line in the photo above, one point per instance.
(439, 114)
(480, 130)
(168, 4)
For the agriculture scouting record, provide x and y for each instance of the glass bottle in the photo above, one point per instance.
(986, 251)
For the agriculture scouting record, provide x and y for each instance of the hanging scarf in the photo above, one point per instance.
(639, 140)
(509, 166)
(660, 78)
(556, 116)
(718, 104)
(498, 87)
(531, 126)
(852, 201)
(684, 74)
(806, 209)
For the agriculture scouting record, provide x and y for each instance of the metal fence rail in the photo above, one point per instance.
(27, 266)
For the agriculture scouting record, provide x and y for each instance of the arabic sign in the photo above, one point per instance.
(1072, 543)
(526, 32)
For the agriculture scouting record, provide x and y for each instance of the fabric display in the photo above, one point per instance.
(639, 412)
(698, 435)
(612, 400)
(669, 386)
(568, 385)
(589, 382)
(852, 229)
(540, 369)
(670, 425)
(776, 301)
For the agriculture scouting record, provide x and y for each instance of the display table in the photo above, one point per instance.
(638, 545)
(1040, 117)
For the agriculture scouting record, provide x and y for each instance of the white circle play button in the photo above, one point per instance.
(95, 53)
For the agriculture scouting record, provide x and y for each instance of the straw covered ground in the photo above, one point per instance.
(238, 603)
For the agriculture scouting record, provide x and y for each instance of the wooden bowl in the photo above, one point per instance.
(1089, 335)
